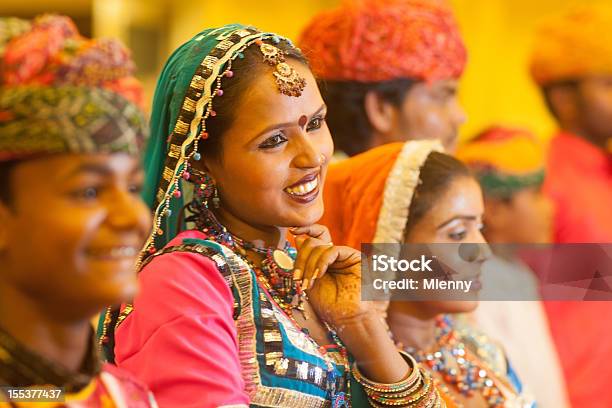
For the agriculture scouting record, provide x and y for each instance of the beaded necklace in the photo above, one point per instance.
(339, 398)
(459, 370)
(275, 274)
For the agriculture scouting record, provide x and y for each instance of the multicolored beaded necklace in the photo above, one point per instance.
(459, 370)
(276, 276)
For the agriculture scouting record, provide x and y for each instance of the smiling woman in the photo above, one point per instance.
(229, 312)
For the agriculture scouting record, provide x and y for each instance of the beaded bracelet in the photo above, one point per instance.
(417, 390)
(410, 391)
(386, 399)
(433, 400)
(413, 377)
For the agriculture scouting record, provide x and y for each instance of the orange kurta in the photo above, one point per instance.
(579, 181)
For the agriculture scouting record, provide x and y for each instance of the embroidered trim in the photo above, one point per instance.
(399, 189)
(245, 281)
(241, 278)
(281, 397)
(276, 362)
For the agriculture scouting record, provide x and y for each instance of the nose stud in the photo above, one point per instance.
(322, 159)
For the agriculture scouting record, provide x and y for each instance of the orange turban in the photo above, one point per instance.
(573, 45)
(380, 40)
(367, 197)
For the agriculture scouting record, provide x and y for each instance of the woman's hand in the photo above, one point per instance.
(332, 276)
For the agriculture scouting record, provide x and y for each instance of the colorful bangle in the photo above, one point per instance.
(414, 398)
(417, 390)
(413, 377)
(426, 397)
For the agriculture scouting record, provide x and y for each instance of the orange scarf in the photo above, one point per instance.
(367, 196)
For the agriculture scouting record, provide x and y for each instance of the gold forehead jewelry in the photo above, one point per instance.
(288, 80)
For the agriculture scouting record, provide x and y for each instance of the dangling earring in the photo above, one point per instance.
(207, 190)
(215, 200)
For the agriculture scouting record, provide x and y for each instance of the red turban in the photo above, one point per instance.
(379, 40)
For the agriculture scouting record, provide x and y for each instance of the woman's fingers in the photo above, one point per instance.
(316, 252)
(306, 238)
(346, 257)
(304, 245)
(312, 271)
(321, 264)
(318, 231)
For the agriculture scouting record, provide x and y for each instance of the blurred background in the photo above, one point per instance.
(496, 87)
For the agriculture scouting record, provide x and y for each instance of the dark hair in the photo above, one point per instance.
(246, 70)
(437, 174)
(5, 181)
(347, 119)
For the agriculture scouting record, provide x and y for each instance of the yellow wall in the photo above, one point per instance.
(285, 17)
(496, 88)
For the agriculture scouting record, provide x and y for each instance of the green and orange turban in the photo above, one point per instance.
(573, 45)
(380, 40)
(63, 93)
(504, 160)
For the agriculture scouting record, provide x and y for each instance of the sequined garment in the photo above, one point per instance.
(279, 365)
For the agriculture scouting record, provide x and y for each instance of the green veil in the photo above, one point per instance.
(183, 101)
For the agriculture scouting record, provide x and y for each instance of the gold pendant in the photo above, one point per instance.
(284, 261)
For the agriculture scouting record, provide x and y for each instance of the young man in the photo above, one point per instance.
(389, 71)
(509, 165)
(71, 218)
(572, 64)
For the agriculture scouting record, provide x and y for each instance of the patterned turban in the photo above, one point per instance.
(573, 45)
(380, 40)
(504, 160)
(61, 92)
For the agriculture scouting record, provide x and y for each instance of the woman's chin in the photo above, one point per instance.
(304, 217)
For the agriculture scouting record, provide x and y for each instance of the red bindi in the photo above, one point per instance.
(302, 121)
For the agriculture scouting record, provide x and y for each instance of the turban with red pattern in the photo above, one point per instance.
(380, 40)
